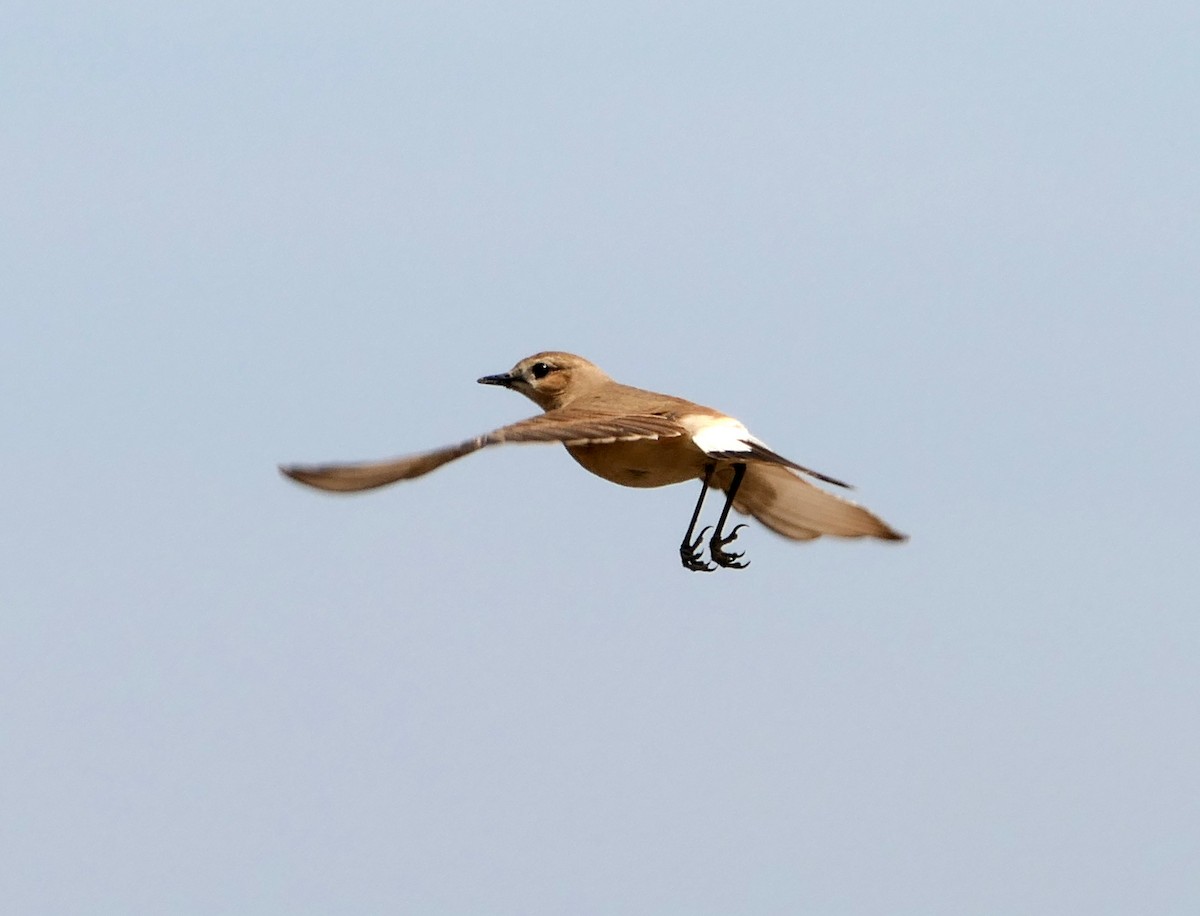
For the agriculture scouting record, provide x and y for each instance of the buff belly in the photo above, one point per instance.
(644, 463)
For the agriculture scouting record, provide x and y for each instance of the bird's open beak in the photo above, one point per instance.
(504, 381)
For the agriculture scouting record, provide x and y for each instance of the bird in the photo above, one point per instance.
(639, 438)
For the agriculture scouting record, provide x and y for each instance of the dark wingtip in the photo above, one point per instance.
(761, 452)
(294, 472)
(832, 480)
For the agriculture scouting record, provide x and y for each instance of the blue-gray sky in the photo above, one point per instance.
(946, 252)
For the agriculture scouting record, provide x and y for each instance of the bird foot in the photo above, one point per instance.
(720, 557)
(692, 556)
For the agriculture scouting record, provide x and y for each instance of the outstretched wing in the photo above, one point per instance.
(570, 427)
(348, 478)
(789, 505)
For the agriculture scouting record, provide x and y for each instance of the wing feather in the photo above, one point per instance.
(570, 427)
(756, 451)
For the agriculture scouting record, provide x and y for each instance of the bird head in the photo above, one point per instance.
(550, 379)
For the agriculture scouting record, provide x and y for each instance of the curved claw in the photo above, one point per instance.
(690, 553)
(722, 557)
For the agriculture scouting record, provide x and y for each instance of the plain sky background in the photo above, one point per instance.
(946, 251)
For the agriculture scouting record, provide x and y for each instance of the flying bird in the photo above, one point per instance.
(639, 438)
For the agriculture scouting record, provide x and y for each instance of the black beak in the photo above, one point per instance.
(504, 381)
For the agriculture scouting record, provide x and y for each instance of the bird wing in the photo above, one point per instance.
(789, 505)
(570, 427)
(349, 478)
(751, 450)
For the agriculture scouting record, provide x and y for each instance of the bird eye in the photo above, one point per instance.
(540, 370)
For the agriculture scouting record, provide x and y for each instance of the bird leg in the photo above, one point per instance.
(718, 542)
(689, 550)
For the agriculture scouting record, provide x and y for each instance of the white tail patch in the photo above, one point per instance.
(714, 435)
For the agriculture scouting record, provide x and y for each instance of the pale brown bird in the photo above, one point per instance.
(639, 438)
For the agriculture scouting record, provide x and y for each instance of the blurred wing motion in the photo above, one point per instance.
(347, 478)
(790, 505)
(570, 427)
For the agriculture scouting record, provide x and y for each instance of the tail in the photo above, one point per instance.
(791, 506)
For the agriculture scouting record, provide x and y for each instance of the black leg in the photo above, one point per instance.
(689, 550)
(720, 557)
